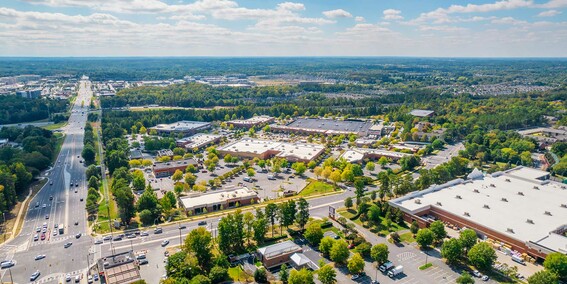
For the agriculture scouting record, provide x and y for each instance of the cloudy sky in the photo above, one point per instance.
(467, 28)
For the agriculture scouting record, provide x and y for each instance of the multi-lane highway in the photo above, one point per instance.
(58, 202)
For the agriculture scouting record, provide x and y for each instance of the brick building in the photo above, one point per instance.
(169, 168)
(277, 254)
(199, 203)
(521, 210)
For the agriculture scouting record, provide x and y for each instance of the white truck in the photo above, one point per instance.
(395, 271)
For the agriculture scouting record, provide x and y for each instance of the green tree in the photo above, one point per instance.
(314, 233)
(146, 217)
(218, 274)
(438, 230)
(260, 227)
(482, 256)
(284, 274)
(556, 262)
(355, 264)
(302, 276)
(327, 274)
(325, 246)
(424, 237)
(139, 183)
(452, 250)
(198, 241)
(379, 253)
(271, 214)
(468, 239)
(465, 278)
(125, 201)
(370, 166)
(302, 215)
(414, 227)
(348, 202)
(93, 182)
(543, 277)
(200, 279)
(299, 168)
(23, 176)
(339, 252)
(364, 249)
(177, 176)
(88, 154)
(383, 161)
(190, 179)
(148, 201)
(260, 275)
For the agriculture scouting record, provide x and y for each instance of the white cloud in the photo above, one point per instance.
(291, 6)
(338, 13)
(441, 15)
(549, 13)
(186, 17)
(554, 4)
(359, 19)
(392, 14)
(508, 21)
(442, 28)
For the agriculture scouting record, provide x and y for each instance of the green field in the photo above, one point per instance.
(317, 187)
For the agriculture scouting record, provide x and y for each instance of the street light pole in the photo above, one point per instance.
(180, 242)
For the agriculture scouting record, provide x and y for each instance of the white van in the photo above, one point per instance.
(518, 259)
(7, 263)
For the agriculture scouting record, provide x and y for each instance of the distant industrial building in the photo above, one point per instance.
(357, 155)
(181, 127)
(262, 149)
(520, 211)
(277, 254)
(29, 94)
(325, 127)
(546, 135)
(198, 141)
(199, 203)
(168, 168)
(256, 121)
(119, 268)
(422, 113)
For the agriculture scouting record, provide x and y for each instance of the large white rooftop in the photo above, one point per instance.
(253, 120)
(219, 197)
(303, 151)
(183, 125)
(516, 203)
(358, 154)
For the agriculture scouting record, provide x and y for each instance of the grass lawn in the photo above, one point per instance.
(238, 275)
(60, 139)
(317, 187)
(55, 125)
(425, 266)
(407, 238)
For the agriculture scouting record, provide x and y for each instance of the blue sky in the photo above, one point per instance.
(458, 28)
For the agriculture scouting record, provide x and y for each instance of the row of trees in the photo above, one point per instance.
(89, 152)
(237, 230)
(15, 109)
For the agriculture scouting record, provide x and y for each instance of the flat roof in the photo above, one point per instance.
(302, 151)
(198, 140)
(217, 197)
(278, 249)
(182, 125)
(172, 164)
(253, 120)
(421, 112)
(332, 125)
(120, 268)
(513, 200)
(358, 154)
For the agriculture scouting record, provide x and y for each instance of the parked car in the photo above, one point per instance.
(164, 243)
(143, 261)
(35, 275)
(41, 256)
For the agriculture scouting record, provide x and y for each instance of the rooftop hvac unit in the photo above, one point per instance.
(564, 205)
(417, 201)
(508, 180)
(504, 199)
(476, 190)
(492, 185)
(547, 213)
(486, 206)
(458, 197)
(563, 187)
(439, 203)
(467, 214)
(510, 230)
(535, 187)
(530, 221)
(520, 193)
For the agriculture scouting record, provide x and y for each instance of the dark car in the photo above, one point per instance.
(68, 244)
(202, 223)
(143, 261)
(78, 235)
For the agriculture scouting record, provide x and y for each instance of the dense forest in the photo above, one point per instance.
(18, 165)
(15, 109)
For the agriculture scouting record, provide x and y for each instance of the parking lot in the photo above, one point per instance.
(444, 155)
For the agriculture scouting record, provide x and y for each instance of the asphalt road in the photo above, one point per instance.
(64, 208)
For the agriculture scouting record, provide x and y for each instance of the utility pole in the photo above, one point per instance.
(11, 279)
(180, 242)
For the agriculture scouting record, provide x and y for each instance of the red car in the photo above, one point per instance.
(42, 236)
(351, 246)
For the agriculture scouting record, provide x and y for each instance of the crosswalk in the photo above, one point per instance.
(52, 240)
(59, 277)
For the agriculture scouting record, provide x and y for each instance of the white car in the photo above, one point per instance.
(40, 256)
(68, 277)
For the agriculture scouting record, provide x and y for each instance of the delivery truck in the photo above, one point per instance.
(395, 271)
